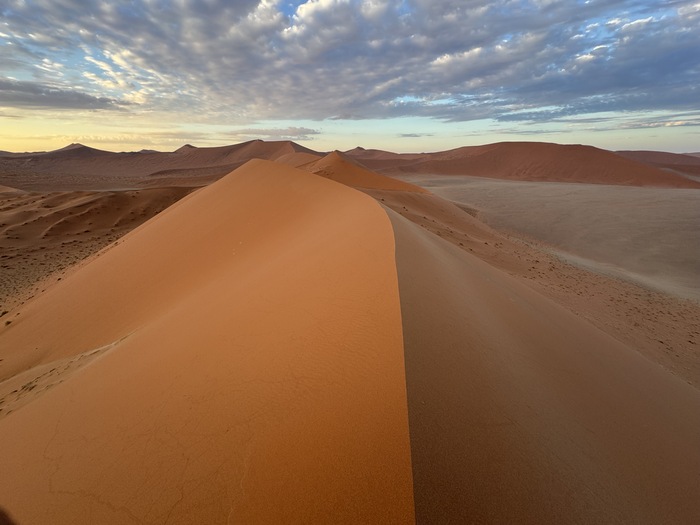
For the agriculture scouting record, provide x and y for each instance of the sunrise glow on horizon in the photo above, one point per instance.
(401, 75)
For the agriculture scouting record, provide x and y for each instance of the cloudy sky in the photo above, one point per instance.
(405, 75)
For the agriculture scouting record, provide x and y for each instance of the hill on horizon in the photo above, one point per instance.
(90, 168)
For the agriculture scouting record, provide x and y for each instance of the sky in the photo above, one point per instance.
(400, 75)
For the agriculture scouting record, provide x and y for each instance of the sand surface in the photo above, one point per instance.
(197, 411)
(279, 347)
(44, 234)
(647, 235)
(521, 412)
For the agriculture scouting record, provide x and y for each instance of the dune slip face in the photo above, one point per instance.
(521, 412)
(250, 367)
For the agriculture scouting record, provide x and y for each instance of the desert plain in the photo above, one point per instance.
(263, 333)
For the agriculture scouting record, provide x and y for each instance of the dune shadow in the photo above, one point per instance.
(5, 518)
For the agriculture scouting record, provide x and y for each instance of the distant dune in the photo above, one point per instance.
(661, 158)
(84, 168)
(305, 340)
(527, 161)
(75, 151)
(78, 167)
(338, 167)
(686, 165)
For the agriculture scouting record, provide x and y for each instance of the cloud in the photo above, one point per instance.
(240, 61)
(10, 115)
(33, 95)
(290, 133)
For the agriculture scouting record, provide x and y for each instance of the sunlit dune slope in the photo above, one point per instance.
(298, 158)
(236, 359)
(8, 189)
(340, 168)
(41, 233)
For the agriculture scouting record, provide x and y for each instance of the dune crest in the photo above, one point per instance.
(200, 411)
(340, 168)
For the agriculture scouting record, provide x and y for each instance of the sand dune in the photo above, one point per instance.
(661, 158)
(75, 151)
(528, 161)
(192, 409)
(338, 167)
(78, 167)
(687, 165)
(278, 347)
(521, 412)
(45, 233)
(298, 158)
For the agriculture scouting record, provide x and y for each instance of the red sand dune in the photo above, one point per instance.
(81, 167)
(192, 409)
(298, 158)
(279, 347)
(78, 167)
(520, 411)
(42, 233)
(531, 161)
(661, 158)
(683, 164)
(75, 151)
(338, 167)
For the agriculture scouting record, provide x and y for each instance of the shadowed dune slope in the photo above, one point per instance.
(684, 164)
(661, 158)
(520, 412)
(340, 168)
(531, 161)
(238, 358)
(75, 151)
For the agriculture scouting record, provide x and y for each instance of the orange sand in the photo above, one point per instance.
(247, 367)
